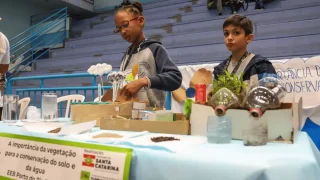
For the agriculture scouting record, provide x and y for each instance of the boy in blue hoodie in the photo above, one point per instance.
(238, 33)
(157, 72)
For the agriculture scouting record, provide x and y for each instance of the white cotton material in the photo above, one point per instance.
(100, 69)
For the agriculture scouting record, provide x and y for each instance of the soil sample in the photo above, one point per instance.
(255, 137)
(107, 135)
(55, 130)
(163, 138)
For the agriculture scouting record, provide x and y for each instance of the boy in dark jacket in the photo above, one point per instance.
(238, 33)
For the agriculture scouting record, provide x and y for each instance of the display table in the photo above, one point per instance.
(299, 161)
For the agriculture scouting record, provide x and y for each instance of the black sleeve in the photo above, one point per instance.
(218, 70)
(168, 76)
(265, 69)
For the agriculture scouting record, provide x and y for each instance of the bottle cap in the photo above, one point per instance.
(220, 110)
(190, 92)
(256, 112)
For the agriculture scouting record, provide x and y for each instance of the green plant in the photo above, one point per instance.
(233, 82)
(187, 107)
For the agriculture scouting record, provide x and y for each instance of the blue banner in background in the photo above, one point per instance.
(313, 130)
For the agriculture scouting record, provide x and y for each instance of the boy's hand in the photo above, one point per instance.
(134, 87)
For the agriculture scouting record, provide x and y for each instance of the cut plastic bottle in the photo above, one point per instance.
(223, 100)
(268, 95)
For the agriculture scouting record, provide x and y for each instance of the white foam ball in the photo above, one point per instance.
(94, 72)
(91, 69)
(99, 65)
(100, 71)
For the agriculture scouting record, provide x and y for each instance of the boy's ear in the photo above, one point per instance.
(141, 20)
(250, 38)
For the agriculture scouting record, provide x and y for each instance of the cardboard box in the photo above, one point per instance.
(180, 126)
(95, 111)
(284, 122)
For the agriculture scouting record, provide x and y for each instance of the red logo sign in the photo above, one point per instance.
(88, 160)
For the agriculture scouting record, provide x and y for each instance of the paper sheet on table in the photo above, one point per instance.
(125, 135)
(77, 128)
(41, 127)
(45, 127)
(173, 146)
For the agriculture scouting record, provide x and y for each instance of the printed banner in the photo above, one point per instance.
(34, 158)
(302, 79)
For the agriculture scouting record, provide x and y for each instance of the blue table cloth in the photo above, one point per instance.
(275, 161)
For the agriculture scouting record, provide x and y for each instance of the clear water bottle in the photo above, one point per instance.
(257, 132)
(268, 95)
(49, 108)
(223, 100)
(10, 108)
(219, 129)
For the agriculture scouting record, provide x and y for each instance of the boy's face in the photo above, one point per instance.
(235, 38)
(129, 26)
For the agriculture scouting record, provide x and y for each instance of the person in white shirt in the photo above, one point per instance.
(4, 61)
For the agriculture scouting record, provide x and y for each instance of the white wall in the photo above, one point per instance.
(16, 16)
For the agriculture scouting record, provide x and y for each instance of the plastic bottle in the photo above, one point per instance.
(222, 100)
(268, 95)
(219, 129)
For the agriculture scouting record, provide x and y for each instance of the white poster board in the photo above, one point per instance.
(34, 158)
(302, 79)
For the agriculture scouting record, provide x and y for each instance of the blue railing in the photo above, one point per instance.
(35, 93)
(47, 31)
(10, 82)
(28, 91)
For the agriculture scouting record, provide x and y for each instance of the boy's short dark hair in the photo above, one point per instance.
(240, 21)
